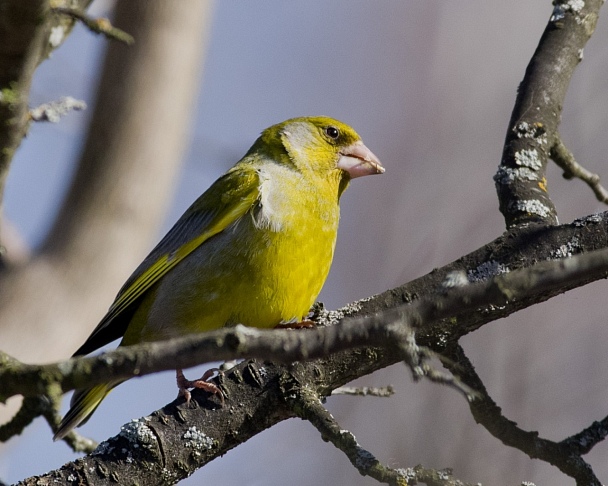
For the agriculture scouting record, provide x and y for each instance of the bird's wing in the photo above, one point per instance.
(227, 200)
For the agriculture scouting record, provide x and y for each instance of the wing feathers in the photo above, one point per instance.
(228, 199)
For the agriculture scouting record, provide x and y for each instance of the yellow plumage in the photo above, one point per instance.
(254, 249)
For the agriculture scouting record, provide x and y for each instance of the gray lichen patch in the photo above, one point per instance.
(576, 5)
(507, 175)
(530, 206)
(57, 36)
(528, 158)
(533, 131)
(329, 318)
(486, 271)
(560, 9)
(138, 433)
(591, 219)
(572, 247)
(197, 441)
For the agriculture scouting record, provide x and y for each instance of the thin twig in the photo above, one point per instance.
(53, 111)
(365, 391)
(47, 406)
(31, 408)
(98, 26)
(487, 413)
(572, 169)
(416, 358)
(308, 407)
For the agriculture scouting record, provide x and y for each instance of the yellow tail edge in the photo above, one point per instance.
(82, 406)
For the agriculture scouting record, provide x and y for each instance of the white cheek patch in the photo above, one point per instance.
(267, 216)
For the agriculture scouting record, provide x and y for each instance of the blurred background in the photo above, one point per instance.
(430, 87)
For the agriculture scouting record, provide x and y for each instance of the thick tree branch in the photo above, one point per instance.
(449, 311)
(115, 143)
(533, 129)
(197, 435)
(175, 441)
(517, 248)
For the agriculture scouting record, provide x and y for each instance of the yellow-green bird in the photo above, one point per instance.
(254, 249)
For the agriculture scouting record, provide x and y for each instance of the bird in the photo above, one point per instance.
(254, 249)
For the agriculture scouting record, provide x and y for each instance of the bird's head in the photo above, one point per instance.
(321, 146)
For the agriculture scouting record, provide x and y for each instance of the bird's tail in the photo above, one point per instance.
(82, 406)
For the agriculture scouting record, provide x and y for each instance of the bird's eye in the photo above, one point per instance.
(332, 132)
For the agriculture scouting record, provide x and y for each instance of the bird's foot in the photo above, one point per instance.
(306, 323)
(183, 385)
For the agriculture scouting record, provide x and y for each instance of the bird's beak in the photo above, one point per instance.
(358, 160)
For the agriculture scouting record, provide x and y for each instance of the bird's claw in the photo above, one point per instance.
(184, 384)
(306, 323)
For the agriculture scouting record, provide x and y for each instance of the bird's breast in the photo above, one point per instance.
(265, 268)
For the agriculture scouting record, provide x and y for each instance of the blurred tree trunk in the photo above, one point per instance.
(123, 183)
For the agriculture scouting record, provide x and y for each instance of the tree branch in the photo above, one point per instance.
(308, 407)
(194, 436)
(98, 26)
(487, 413)
(390, 328)
(565, 160)
(28, 34)
(520, 181)
(365, 391)
(587, 439)
(54, 110)
(122, 185)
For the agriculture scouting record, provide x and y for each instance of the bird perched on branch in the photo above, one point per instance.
(254, 249)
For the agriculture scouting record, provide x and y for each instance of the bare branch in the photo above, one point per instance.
(122, 184)
(54, 110)
(565, 159)
(520, 181)
(26, 39)
(98, 26)
(195, 436)
(487, 413)
(308, 407)
(365, 391)
(204, 431)
(587, 439)
(31, 408)
(416, 358)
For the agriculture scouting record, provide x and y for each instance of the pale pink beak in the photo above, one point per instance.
(358, 160)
